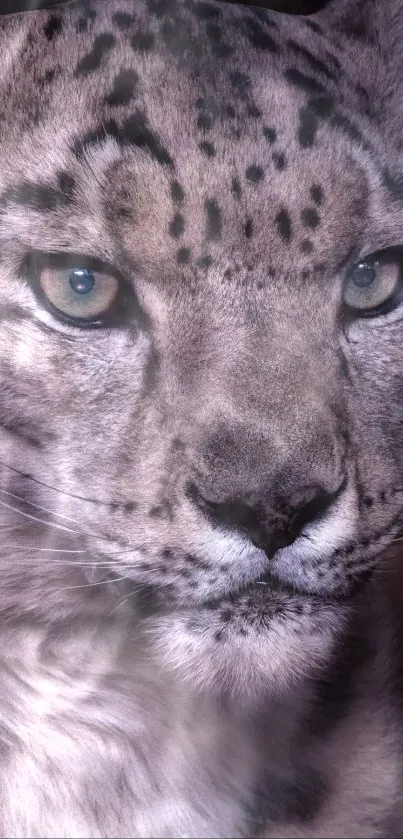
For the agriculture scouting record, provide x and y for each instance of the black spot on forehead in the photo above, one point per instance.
(143, 41)
(248, 229)
(207, 148)
(279, 160)
(122, 20)
(317, 194)
(317, 108)
(236, 188)
(322, 106)
(306, 246)
(308, 126)
(130, 506)
(283, 223)
(204, 122)
(258, 37)
(124, 88)
(183, 256)
(310, 218)
(206, 11)
(254, 174)
(177, 192)
(213, 220)
(177, 226)
(270, 134)
(53, 27)
(50, 75)
(307, 83)
(136, 131)
(92, 61)
(254, 112)
(315, 63)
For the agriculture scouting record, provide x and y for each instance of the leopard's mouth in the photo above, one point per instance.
(157, 599)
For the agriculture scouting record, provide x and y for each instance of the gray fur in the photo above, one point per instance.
(172, 662)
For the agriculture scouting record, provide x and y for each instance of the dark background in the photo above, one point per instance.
(296, 7)
(291, 6)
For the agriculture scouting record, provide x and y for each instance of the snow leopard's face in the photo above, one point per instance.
(201, 317)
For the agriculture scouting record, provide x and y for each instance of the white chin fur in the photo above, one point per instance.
(272, 657)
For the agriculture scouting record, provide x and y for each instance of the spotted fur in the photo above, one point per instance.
(201, 635)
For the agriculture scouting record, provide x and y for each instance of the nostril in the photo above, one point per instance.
(230, 513)
(310, 511)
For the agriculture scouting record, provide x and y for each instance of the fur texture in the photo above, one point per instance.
(199, 634)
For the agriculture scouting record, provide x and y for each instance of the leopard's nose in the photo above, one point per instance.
(269, 524)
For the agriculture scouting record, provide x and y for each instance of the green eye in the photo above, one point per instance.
(374, 283)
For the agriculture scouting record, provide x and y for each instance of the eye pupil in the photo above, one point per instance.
(81, 280)
(363, 275)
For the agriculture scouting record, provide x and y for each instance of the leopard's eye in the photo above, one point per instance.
(79, 290)
(374, 284)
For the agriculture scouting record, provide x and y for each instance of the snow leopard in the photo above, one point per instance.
(201, 420)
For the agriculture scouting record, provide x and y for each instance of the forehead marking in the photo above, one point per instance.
(92, 61)
(124, 88)
(307, 83)
(213, 220)
(283, 223)
(143, 41)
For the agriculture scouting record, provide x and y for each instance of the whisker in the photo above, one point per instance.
(42, 550)
(100, 583)
(9, 527)
(54, 489)
(59, 515)
(76, 564)
(38, 506)
(122, 602)
(38, 520)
